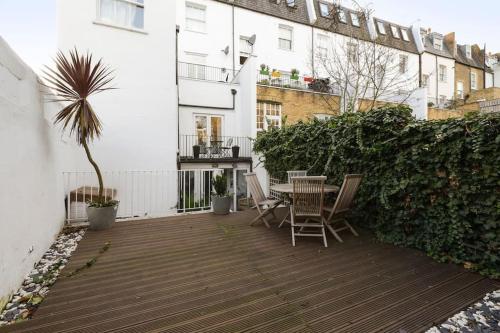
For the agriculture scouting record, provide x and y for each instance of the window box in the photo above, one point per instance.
(308, 79)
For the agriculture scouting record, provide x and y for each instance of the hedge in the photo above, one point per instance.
(430, 185)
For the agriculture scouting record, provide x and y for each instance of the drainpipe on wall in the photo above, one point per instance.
(177, 87)
(312, 52)
(437, 81)
(234, 52)
(420, 83)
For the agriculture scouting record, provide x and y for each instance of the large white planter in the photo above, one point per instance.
(221, 205)
(101, 218)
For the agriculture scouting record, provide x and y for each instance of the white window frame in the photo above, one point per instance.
(352, 51)
(405, 35)
(113, 23)
(204, 21)
(468, 51)
(266, 117)
(381, 28)
(473, 82)
(425, 81)
(322, 45)
(342, 16)
(395, 32)
(403, 65)
(460, 92)
(437, 43)
(209, 116)
(290, 29)
(355, 20)
(443, 73)
(324, 9)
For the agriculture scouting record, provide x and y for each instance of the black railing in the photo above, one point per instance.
(221, 147)
(205, 73)
(296, 82)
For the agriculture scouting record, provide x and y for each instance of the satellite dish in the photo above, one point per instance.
(226, 50)
(252, 39)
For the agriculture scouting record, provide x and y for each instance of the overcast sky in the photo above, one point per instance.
(29, 25)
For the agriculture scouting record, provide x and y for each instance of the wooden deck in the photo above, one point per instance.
(203, 273)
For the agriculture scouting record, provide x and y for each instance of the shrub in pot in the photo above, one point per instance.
(75, 78)
(295, 74)
(221, 200)
(264, 70)
(236, 151)
(196, 151)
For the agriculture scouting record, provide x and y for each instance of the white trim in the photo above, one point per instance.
(120, 27)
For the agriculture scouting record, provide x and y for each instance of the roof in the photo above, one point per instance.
(477, 59)
(333, 24)
(299, 14)
(398, 43)
(428, 40)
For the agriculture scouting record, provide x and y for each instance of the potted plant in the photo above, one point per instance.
(196, 151)
(276, 73)
(236, 151)
(264, 70)
(221, 200)
(73, 81)
(295, 74)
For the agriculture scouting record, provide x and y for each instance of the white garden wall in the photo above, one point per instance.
(34, 154)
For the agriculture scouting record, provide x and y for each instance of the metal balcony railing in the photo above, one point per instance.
(205, 73)
(220, 147)
(284, 80)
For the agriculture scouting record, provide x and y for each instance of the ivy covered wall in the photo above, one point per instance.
(431, 185)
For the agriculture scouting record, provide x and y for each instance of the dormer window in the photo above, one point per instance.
(405, 35)
(468, 51)
(290, 3)
(355, 19)
(381, 28)
(342, 16)
(438, 43)
(395, 31)
(324, 10)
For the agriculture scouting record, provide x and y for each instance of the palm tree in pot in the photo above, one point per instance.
(73, 80)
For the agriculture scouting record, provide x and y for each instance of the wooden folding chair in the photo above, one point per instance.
(296, 173)
(308, 197)
(264, 205)
(342, 206)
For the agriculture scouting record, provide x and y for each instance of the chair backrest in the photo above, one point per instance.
(346, 195)
(296, 173)
(308, 195)
(229, 142)
(254, 187)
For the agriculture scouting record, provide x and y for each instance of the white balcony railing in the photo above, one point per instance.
(141, 193)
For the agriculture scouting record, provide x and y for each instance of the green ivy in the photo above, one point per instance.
(431, 185)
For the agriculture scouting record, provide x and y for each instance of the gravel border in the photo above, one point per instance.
(36, 284)
(482, 317)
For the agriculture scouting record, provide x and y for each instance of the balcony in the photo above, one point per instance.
(194, 148)
(204, 73)
(289, 81)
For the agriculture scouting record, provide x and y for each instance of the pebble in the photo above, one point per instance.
(38, 281)
(482, 317)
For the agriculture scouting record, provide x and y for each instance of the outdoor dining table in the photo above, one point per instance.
(287, 189)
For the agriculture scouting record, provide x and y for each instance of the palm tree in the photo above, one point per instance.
(73, 81)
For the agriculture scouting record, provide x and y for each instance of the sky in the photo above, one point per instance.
(29, 26)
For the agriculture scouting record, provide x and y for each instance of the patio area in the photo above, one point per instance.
(207, 273)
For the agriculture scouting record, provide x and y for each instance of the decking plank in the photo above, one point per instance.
(206, 273)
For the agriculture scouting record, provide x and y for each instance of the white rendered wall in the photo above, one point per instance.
(140, 117)
(34, 154)
(430, 67)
